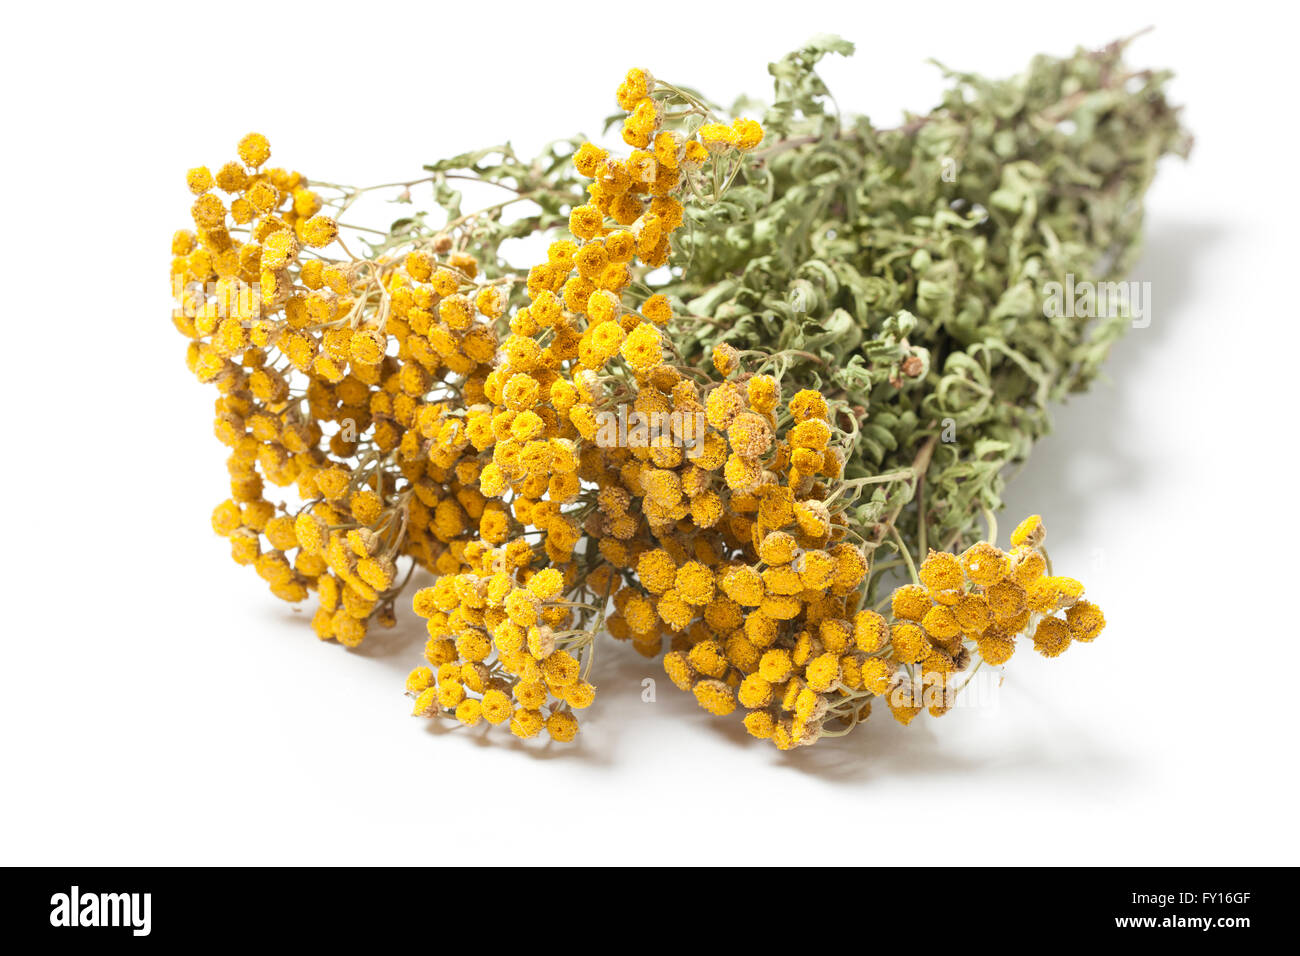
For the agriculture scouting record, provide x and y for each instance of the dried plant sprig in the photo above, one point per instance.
(904, 270)
(845, 339)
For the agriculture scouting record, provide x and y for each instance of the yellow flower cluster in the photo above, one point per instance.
(382, 391)
(333, 376)
(784, 639)
(509, 641)
(750, 575)
(978, 603)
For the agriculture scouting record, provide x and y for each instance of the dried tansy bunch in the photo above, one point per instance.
(762, 366)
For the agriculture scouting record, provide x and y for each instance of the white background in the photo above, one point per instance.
(157, 705)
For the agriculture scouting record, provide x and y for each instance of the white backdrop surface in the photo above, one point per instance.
(158, 706)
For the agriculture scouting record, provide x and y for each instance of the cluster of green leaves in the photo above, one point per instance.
(904, 269)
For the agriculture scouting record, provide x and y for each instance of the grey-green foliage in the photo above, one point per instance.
(911, 262)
